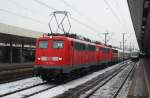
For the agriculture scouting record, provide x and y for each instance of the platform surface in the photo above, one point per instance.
(140, 81)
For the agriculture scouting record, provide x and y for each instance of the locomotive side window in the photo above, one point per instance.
(91, 48)
(43, 44)
(58, 44)
(105, 50)
(79, 46)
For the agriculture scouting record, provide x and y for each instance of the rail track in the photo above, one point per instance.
(29, 91)
(105, 89)
(129, 74)
(22, 89)
(76, 92)
(88, 89)
(32, 86)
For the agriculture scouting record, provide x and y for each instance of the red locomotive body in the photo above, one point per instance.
(53, 51)
(104, 54)
(57, 55)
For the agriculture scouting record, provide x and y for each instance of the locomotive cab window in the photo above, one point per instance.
(58, 44)
(43, 44)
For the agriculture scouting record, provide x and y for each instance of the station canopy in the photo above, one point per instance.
(140, 15)
(17, 35)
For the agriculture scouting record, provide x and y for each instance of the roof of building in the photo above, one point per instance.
(17, 35)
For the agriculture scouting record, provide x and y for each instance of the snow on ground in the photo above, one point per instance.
(110, 88)
(29, 91)
(72, 84)
(124, 91)
(20, 84)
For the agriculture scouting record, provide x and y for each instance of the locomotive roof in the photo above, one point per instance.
(73, 37)
(69, 38)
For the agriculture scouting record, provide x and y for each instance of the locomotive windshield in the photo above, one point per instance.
(43, 44)
(58, 44)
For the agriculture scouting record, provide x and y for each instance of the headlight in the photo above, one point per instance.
(50, 37)
(38, 58)
(60, 59)
(43, 58)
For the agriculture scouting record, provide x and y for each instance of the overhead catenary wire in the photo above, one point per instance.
(113, 12)
(85, 25)
(122, 23)
(128, 38)
(79, 13)
(19, 15)
(44, 4)
(67, 4)
(88, 26)
(50, 7)
(21, 6)
(122, 18)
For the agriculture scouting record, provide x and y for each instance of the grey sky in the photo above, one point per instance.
(102, 15)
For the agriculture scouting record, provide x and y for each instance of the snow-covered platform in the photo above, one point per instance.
(140, 81)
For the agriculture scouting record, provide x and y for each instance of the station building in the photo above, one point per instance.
(17, 45)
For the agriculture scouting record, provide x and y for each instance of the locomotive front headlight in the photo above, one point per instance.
(38, 58)
(60, 59)
(50, 37)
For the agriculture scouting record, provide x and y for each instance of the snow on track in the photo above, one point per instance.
(29, 91)
(112, 86)
(72, 84)
(20, 84)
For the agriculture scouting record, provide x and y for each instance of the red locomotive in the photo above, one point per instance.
(60, 54)
(66, 54)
